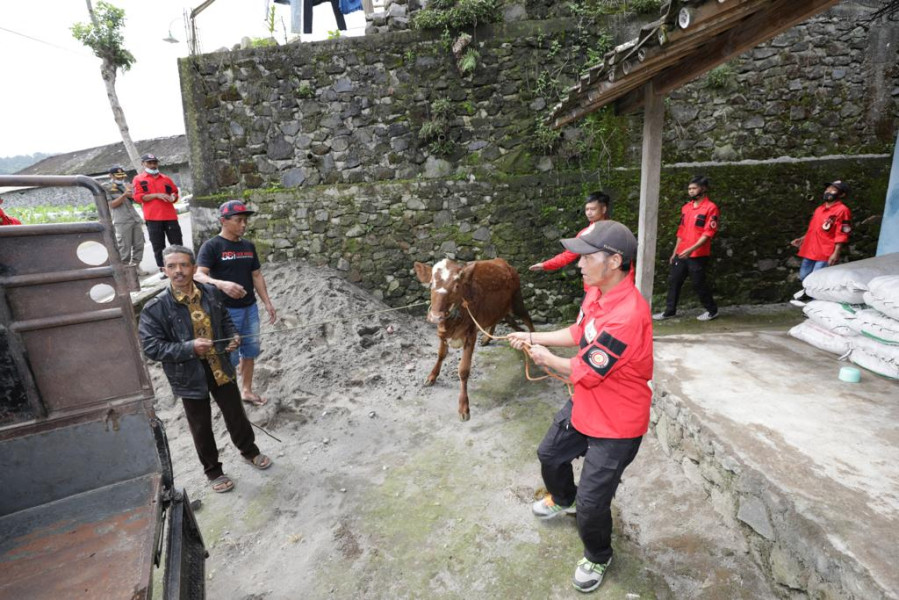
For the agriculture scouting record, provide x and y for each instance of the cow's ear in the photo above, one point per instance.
(423, 272)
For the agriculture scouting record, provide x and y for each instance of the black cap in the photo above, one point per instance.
(234, 207)
(149, 158)
(840, 185)
(116, 170)
(605, 236)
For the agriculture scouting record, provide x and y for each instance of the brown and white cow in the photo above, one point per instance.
(492, 291)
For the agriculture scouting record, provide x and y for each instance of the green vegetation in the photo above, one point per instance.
(436, 130)
(42, 215)
(721, 77)
(305, 91)
(456, 15)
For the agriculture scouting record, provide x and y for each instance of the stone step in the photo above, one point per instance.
(806, 464)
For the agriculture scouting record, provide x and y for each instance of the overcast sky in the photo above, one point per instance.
(53, 99)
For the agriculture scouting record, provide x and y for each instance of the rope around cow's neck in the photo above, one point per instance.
(549, 372)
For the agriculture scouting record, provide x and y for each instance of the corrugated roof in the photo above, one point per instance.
(690, 38)
(96, 161)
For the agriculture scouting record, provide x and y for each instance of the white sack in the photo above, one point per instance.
(821, 338)
(882, 359)
(831, 316)
(883, 294)
(847, 282)
(876, 325)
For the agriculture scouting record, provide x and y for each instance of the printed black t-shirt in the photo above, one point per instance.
(231, 261)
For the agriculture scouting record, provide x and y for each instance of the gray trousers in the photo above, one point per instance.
(130, 239)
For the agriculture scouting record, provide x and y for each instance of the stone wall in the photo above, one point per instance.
(369, 153)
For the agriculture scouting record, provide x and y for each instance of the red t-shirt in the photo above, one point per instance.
(613, 368)
(566, 257)
(155, 209)
(830, 225)
(695, 222)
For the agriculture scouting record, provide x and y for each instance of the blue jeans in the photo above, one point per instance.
(809, 266)
(246, 320)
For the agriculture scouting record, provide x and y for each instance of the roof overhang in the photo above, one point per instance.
(691, 37)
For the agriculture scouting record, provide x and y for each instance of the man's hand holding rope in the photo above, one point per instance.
(530, 342)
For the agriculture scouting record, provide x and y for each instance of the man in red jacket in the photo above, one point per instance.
(607, 416)
(698, 225)
(827, 233)
(157, 194)
(596, 208)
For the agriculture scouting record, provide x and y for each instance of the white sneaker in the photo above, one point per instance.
(662, 317)
(547, 508)
(706, 316)
(588, 575)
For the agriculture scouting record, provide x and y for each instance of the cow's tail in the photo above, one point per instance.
(520, 311)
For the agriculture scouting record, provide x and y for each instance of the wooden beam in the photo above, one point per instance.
(752, 31)
(650, 174)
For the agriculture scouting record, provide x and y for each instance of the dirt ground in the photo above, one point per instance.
(379, 491)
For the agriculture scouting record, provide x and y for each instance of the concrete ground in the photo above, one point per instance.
(808, 464)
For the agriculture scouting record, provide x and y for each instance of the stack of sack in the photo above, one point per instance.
(855, 313)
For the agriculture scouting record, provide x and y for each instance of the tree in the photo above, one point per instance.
(103, 35)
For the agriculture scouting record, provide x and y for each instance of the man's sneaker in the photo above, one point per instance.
(706, 316)
(588, 575)
(661, 316)
(547, 508)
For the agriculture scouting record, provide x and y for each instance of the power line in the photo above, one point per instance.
(34, 39)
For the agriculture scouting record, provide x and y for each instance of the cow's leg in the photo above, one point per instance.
(519, 309)
(441, 354)
(464, 372)
(486, 339)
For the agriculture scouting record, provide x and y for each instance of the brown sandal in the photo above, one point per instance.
(222, 484)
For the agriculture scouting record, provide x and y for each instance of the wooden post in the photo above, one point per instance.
(650, 174)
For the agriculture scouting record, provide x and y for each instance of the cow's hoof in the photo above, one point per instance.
(485, 340)
(429, 382)
(464, 416)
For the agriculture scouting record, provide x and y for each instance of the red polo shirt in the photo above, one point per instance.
(613, 368)
(695, 222)
(830, 225)
(155, 209)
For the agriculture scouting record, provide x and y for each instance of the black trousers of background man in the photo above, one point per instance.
(159, 231)
(307, 14)
(199, 418)
(605, 459)
(695, 267)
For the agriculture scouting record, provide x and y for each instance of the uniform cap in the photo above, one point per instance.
(116, 169)
(605, 236)
(149, 158)
(234, 207)
(840, 185)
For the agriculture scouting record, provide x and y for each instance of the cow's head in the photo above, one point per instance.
(444, 280)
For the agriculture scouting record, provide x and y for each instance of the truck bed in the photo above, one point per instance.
(96, 545)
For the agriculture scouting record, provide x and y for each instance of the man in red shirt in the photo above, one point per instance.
(698, 225)
(828, 231)
(608, 415)
(596, 208)
(6, 219)
(157, 194)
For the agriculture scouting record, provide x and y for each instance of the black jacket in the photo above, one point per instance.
(167, 333)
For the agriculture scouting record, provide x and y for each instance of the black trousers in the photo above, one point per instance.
(159, 231)
(307, 14)
(605, 459)
(695, 267)
(199, 419)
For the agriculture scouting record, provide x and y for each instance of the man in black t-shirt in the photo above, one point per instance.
(231, 264)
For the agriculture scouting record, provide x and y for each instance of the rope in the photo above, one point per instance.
(528, 358)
